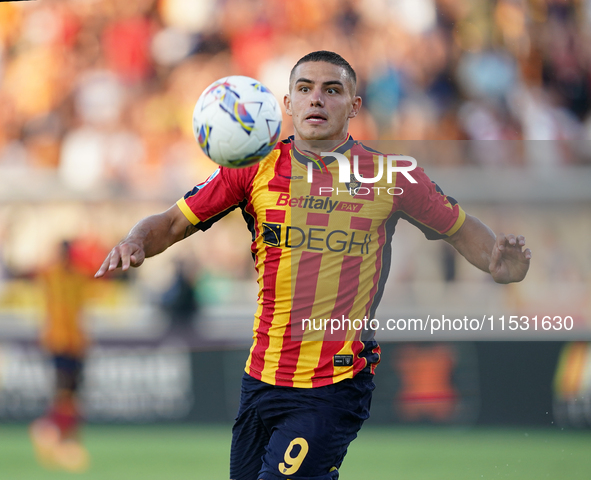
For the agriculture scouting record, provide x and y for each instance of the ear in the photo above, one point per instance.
(287, 104)
(355, 106)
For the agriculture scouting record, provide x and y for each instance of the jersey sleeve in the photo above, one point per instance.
(222, 192)
(426, 206)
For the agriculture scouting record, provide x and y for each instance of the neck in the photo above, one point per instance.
(318, 146)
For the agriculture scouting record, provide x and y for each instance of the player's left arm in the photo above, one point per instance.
(502, 255)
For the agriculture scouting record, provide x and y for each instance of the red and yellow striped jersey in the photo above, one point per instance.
(65, 293)
(322, 251)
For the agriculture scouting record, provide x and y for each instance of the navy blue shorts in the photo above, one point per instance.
(297, 433)
(68, 372)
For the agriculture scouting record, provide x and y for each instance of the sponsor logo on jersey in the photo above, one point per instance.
(343, 360)
(353, 185)
(317, 203)
(315, 239)
(272, 234)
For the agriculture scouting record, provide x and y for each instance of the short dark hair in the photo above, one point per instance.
(328, 57)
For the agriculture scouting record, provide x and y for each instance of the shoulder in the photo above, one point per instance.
(247, 175)
(360, 148)
(280, 154)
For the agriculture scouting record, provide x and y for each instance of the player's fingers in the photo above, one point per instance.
(510, 239)
(527, 253)
(520, 240)
(497, 252)
(115, 258)
(123, 256)
(111, 259)
(137, 258)
(500, 241)
(126, 252)
(103, 268)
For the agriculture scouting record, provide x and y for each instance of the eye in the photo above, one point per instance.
(331, 91)
(304, 89)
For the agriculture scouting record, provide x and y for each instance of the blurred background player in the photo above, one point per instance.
(180, 303)
(56, 435)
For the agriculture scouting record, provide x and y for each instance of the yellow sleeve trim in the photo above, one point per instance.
(182, 204)
(458, 224)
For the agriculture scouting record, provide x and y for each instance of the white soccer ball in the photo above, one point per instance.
(237, 121)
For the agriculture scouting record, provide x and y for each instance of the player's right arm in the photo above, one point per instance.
(149, 237)
(200, 208)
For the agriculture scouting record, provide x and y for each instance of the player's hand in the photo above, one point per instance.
(127, 254)
(509, 262)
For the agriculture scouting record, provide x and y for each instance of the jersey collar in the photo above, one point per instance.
(305, 156)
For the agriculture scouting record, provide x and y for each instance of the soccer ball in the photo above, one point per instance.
(237, 121)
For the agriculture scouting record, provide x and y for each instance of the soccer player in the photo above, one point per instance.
(56, 435)
(322, 251)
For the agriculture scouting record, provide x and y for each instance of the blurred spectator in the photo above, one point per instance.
(126, 42)
(101, 149)
(428, 69)
(448, 263)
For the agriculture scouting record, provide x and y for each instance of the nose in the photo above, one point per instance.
(316, 99)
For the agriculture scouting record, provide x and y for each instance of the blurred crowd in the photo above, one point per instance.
(101, 92)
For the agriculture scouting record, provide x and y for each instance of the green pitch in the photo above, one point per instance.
(201, 452)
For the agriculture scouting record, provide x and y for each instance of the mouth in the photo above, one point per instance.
(316, 118)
